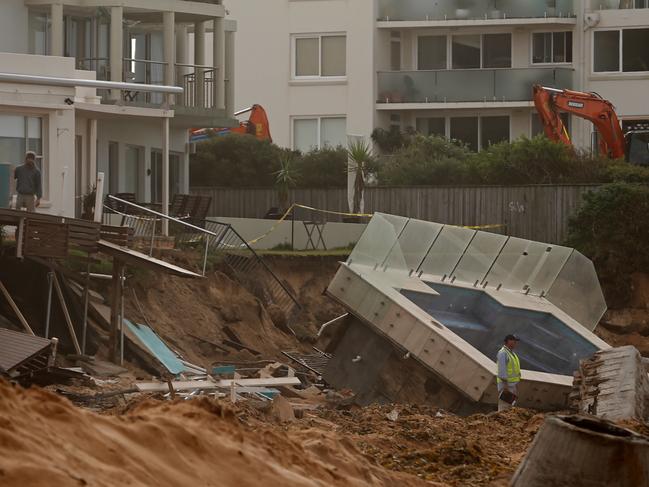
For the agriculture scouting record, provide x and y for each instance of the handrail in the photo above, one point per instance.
(144, 61)
(228, 227)
(162, 215)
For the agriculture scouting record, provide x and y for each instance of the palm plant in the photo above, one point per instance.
(361, 158)
(285, 179)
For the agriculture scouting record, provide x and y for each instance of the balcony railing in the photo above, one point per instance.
(418, 10)
(479, 85)
(199, 82)
(618, 4)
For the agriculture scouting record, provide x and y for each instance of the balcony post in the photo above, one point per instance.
(169, 49)
(181, 58)
(116, 48)
(165, 175)
(200, 59)
(56, 13)
(229, 72)
(219, 63)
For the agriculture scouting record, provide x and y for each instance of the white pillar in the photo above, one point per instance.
(169, 49)
(92, 152)
(165, 174)
(229, 73)
(116, 47)
(199, 58)
(219, 63)
(56, 14)
(181, 58)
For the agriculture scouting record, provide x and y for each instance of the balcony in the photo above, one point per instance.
(444, 10)
(472, 85)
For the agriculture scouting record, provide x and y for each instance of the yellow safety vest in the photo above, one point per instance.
(513, 367)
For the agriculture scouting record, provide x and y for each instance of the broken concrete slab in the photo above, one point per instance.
(612, 384)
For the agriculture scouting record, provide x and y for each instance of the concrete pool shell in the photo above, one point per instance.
(448, 295)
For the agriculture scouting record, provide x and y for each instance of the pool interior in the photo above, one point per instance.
(547, 344)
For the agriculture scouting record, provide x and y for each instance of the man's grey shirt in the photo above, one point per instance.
(28, 180)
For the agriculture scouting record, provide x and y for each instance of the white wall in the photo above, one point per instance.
(263, 61)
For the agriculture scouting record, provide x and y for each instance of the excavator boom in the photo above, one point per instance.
(256, 125)
(550, 102)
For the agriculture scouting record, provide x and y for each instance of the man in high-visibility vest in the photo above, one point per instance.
(509, 373)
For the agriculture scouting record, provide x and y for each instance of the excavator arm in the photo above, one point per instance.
(550, 102)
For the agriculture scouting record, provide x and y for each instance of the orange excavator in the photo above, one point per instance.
(613, 142)
(257, 125)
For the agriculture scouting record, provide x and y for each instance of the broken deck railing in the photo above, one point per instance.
(212, 237)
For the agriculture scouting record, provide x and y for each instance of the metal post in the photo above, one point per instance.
(153, 223)
(50, 278)
(207, 246)
(293, 228)
(122, 279)
(85, 310)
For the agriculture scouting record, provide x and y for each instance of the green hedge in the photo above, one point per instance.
(612, 229)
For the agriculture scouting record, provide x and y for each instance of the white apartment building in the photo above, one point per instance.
(136, 134)
(328, 69)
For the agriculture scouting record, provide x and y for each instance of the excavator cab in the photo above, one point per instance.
(637, 146)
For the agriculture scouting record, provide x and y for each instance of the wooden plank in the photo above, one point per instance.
(219, 384)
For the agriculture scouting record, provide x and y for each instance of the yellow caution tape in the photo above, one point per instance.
(272, 229)
(365, 215)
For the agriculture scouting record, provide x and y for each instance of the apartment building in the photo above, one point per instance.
(328, 69)
(92, 86)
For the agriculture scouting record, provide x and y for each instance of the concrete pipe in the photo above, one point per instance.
(584, 451)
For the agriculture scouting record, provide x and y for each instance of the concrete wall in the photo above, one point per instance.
(335, 235)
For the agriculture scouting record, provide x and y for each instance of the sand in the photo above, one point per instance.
(46, 441)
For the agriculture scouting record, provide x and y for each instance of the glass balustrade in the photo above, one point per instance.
(468, 85)
(418, 10)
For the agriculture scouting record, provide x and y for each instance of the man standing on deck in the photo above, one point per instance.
(509, 373)
(28, 184)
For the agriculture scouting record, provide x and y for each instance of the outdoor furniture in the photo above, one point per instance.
(314, 229)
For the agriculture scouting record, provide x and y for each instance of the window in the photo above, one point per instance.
(431, 52)
(630, 44)
(19, 134)
(175, 178)
(395, 121)
(39, 35)
(552, 47)
(635, 50)
(465, 129)
(497, 51)
(606, 51)
(431, 126)
(322, 56)
(113, 167)
(395, 51)
(132, 164)
(466, 52)
(493, 130)
(316, 133)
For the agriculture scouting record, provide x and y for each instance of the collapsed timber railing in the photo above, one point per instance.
(213, 239)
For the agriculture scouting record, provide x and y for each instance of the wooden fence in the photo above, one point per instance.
(537, 212)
